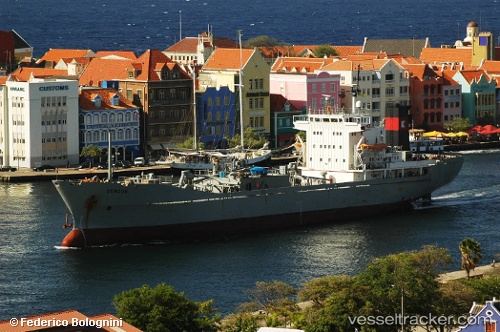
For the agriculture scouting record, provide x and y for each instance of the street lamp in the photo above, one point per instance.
(402, 309)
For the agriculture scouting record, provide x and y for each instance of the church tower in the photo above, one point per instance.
(472, 31)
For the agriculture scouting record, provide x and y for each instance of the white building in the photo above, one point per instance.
(39, 122)
(382, 84)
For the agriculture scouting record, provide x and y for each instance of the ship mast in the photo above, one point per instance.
(110, 165)
(195, 127)
(241, 94)
(355, 91)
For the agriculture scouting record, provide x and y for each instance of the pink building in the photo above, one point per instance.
(303, 83)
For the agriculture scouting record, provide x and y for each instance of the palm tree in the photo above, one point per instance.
(471, 254)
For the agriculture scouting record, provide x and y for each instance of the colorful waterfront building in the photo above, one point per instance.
(104, 112)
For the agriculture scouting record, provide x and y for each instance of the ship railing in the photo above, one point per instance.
(146, 179)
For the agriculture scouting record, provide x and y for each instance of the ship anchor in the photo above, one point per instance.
(67, 224)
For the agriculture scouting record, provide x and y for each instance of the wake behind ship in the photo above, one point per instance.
(348, 170)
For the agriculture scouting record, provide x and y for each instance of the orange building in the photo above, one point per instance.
(426, 98)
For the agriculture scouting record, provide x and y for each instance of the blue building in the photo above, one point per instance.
(483, 317)
(216, 115)
(106, 110)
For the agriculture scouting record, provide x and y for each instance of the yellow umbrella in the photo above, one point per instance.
(462, 133)
(433, 134)
(451, 135)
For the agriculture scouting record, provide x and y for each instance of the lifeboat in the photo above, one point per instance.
(376, 147)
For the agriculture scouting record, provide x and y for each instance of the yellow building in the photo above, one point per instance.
(223, 69)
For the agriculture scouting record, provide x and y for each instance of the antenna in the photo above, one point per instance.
(180, 25)
(242, 131)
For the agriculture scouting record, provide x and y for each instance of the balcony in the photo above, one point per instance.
(169, 102)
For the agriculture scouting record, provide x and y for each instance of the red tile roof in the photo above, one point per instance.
(374, 64)
(491, 67)
(367, 56)
(345, 51)
(83, 60)
(228, 58)
(224, 42)
(88, 95)
(123, 53)
(447, 76)
(186, 45)
(303, 50)
(405, 60)
(55, 54)
(299, 64)
(101, 69)
(23, 74)
(474, 75)
(438, 56)
(421, 71)
(125, 327)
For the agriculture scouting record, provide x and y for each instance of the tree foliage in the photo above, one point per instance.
(261, 41)
(251, 139)
(240, 322)
(324, 50)
(275, 298)
(377, 291)
(458, 124)
(91, 151)
(470, 250)
(162, 309)
(189, 144)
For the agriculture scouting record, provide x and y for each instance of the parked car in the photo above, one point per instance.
(43, 168)
(83, 165)
(103, 165)
(123, 164)
(7, 169)
(139, 161)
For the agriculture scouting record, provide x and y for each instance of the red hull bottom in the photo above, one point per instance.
(81, 238)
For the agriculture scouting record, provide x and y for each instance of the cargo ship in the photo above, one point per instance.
(349, 167)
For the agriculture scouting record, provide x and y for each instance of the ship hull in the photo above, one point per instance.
(111, 213)
(221, 229)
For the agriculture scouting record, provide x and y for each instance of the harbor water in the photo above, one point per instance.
(37, 277)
